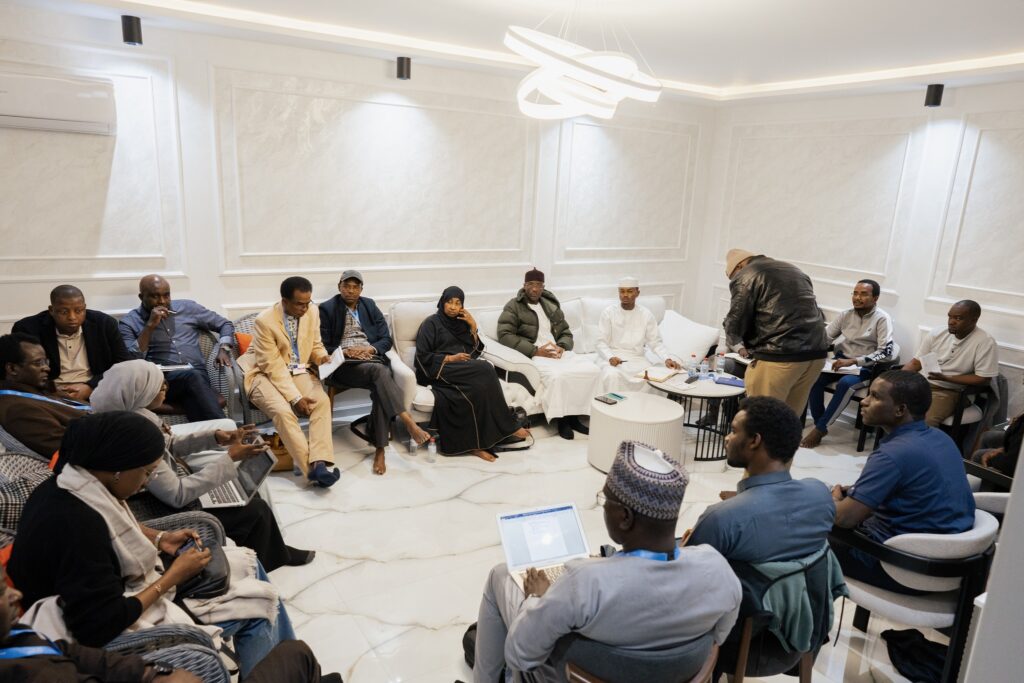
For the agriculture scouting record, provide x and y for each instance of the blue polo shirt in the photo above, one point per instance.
(915, 483)
(773, 517)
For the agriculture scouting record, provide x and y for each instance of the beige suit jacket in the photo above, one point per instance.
(270, 350)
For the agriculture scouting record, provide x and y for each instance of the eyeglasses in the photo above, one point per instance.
(603, 500)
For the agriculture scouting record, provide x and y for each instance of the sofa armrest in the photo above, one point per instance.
(404, 376)
(510, 360)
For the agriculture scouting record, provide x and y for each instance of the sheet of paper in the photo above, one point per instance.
(930, 363)
(337, 358)
(737, 357)
(848, 370)
(657, 373)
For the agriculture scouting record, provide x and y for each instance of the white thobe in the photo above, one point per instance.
(567, 383)
(627, 335)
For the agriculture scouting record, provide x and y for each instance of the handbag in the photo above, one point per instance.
(213, 581)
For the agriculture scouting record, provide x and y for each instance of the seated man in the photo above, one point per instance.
(80, 344)
(866, 333)
(166, 332)
(999, 448)
(624, 333)
(282, 380)
(354, 323)
(966, 354)
(651, 595)
(773, 517)
(29, 414)
(913, 483)
(533, 324)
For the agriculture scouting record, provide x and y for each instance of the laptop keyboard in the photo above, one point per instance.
(553, 573)
(225, 493)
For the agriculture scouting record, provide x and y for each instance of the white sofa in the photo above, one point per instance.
(681, 335)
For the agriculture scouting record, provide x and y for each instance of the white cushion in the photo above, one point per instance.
(942, 547)
(487, 321)
(991, 501)
(684, 337)
(406, 318)
(932, 610)
(593, 307)
(972, 414)
(424, 399)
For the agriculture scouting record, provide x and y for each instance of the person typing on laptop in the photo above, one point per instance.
(652, 594)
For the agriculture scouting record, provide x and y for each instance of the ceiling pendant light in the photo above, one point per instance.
(571, 80)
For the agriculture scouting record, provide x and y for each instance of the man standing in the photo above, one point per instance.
(624, 333)
(866, 332)
(80, 344)
(650, 595)
(354, 323)
(775, 316)
(913, 483)
(966, 354)
(27, 412)
(166, 332)
(281, 378)
(533, 324)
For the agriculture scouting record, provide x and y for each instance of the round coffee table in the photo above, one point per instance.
(643, 417)
(714, 404)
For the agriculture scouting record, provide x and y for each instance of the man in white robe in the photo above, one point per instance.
(625, 334)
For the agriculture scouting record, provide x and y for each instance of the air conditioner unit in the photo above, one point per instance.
(58, 103)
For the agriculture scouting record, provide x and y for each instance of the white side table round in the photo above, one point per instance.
(642, 417)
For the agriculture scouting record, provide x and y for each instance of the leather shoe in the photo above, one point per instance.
(565, 429)
(298, 558)
(577, 424)
(323, 476)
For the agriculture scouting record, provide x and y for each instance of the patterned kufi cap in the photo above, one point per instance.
(647, 481)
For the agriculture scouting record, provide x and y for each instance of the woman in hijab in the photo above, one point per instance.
(470, 412)
(90, 571)
(138, 386)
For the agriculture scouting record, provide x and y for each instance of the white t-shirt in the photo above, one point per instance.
(975, 354)
(543, 326)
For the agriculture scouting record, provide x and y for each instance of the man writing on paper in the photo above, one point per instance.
(354, 324)
(533, 324)
(625, 332)
(965, 355)
(866, 338)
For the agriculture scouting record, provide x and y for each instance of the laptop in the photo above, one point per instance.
(544, 538)
(240, 490)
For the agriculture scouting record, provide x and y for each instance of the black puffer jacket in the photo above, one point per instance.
(774, 313)
(517, 326)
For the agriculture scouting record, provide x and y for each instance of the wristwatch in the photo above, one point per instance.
(155, 670)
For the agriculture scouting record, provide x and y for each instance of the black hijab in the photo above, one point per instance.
(110, 442)
(458, 328)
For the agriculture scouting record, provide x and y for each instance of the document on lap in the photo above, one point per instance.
(337, 358)
(848, 370)
(930, 364)
(657, 373)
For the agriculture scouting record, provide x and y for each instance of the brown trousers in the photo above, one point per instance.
(789, 382)
(943, 405)
(320, 445)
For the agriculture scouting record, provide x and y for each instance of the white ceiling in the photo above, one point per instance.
(722, 48)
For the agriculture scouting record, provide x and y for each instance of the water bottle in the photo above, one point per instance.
(704, 369)
(432, 450)
(691, 366)
(412, 446)
(720, 364)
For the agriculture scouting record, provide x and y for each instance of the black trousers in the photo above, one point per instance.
(860, 566)
(254, 526)
(384, 393)
(291, 661)
(191, 390)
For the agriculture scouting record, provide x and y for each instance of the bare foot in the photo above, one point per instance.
(812, 439)
(484, 455)
(522, 433)
(378, 462)
(419, 435)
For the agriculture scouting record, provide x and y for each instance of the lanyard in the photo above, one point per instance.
(355, 314)
(39, 397)
(294, 340)
(649, 555)
(31, 650)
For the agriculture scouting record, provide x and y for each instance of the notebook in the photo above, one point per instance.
(543, 538)
(240, 490)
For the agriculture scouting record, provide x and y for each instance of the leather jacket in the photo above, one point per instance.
(774, 313)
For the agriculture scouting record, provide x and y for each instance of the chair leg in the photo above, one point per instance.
(861, 438)
(860, 619)
(973, 585)
(744, 651)
(806, 666)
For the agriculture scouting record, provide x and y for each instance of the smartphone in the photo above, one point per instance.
(186, 547)
(605, 399)
(691, 380)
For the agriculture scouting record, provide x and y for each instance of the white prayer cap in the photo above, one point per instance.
(627, 282)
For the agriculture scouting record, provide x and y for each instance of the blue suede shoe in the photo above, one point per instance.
(323, 476)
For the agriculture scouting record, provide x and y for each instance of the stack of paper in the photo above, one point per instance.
(337, 358)
(657, 373)
(848, 370)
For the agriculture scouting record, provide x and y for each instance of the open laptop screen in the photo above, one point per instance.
(252, 472)
(544, 536)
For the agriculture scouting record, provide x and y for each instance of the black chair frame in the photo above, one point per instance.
(991, 480)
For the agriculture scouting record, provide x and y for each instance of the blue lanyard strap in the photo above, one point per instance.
(650, 555)
(30, 650)
(39, 397)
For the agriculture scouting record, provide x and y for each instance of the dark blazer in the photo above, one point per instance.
(103, 343)
(332, 325)
(76, 663)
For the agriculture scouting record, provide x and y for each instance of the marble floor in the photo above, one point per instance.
(401, 559)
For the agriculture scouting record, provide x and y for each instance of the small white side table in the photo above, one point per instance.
(642, 417)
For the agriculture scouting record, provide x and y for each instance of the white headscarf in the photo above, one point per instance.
(131, 385)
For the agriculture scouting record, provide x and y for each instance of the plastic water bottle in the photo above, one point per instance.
(704, 368)
(412, 446)
(691, 366)
(720, 364)
(432, 450)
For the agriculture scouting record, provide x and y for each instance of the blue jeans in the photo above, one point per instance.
(254, 638)
(824, 416)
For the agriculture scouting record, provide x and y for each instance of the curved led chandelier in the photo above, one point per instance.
(573, 80)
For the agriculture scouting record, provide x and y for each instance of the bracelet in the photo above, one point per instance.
(156, 541)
